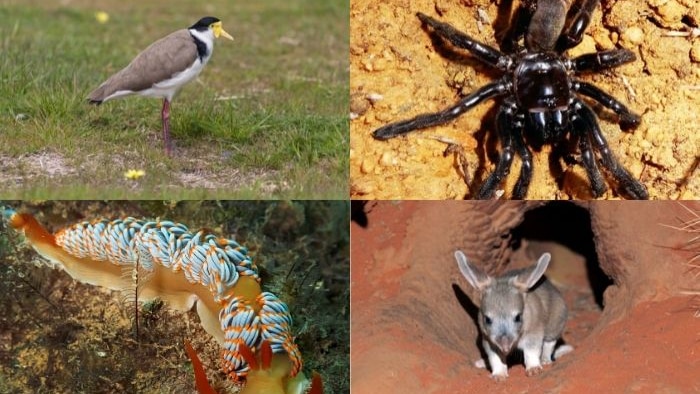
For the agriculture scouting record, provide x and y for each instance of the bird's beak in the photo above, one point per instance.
(219, 31)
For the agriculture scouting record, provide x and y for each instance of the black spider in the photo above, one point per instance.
(539, 94)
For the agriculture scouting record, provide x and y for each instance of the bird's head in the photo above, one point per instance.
(213, 24)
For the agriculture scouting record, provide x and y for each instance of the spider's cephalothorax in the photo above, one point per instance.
(539, 94)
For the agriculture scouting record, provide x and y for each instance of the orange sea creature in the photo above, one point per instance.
(182, 268)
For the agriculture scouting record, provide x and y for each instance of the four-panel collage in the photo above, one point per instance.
(349, 196)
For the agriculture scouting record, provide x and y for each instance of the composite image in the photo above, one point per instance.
(349, 196)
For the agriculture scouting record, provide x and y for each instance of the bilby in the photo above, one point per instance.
(518, 309)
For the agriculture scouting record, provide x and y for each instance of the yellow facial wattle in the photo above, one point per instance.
(219, 31)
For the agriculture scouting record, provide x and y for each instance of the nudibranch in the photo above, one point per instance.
(184, 269)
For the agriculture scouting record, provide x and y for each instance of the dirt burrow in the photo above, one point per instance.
(413, 323)
(397, 73)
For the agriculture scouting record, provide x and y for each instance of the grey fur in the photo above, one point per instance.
(524, 292)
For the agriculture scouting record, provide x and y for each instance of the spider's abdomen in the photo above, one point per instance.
(541, 82)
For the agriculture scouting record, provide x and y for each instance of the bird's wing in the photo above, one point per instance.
(160, 61)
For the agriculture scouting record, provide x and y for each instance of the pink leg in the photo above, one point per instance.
(165, 114)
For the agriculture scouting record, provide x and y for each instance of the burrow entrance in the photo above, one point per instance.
(564, 230)
(411, 330)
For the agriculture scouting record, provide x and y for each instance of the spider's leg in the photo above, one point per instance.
(578, 18)
(506, 131)
(587, 155)
(483, 52)
(589, 163)
(521, 186)
(602, 60)
(632, 187)
(521, 20)
(628, 119)
(427, 120)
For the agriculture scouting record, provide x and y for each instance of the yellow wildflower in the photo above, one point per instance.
(134, 174)
(101, 16)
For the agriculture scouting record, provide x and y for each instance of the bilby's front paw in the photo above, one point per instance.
(536, 370)
(499, 377)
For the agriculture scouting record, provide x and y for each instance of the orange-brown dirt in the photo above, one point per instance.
(396, 73)
(412, 331)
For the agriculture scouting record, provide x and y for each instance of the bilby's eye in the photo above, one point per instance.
(517, 318)
(487, 320)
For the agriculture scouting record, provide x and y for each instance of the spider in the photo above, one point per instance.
(539, 94)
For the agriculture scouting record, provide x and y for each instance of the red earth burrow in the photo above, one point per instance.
(413, 336)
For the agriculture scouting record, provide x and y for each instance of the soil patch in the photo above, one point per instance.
(397, 73)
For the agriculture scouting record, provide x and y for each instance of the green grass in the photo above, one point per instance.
(281, 130)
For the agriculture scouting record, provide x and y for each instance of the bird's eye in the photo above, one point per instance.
(487, 320)
(517, 318)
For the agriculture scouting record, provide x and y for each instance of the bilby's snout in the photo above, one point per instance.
(504, 340)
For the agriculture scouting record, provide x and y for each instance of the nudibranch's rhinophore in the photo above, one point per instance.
(180, 267)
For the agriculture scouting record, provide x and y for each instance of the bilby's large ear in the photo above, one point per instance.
(474, 276)
(530, 276)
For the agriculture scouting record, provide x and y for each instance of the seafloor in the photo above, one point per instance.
(59, 336)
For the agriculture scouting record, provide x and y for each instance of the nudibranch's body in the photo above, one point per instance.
(179, 267)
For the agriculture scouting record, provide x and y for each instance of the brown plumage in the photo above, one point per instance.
(160, 61)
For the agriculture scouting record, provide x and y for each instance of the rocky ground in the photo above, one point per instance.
(397, 73)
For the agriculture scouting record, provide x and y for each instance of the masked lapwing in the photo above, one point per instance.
(164, 67)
